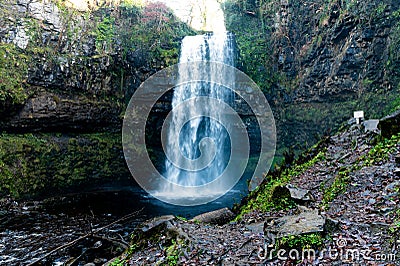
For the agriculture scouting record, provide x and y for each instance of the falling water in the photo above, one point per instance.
(186, 140)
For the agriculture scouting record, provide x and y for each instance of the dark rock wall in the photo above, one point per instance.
(321, 60)
(68, 71)
(82, 66)
(318, 61)
(330, 49)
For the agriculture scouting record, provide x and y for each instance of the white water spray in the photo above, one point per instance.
(199, 148)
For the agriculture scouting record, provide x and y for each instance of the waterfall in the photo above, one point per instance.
(204, 138)
(190, 164)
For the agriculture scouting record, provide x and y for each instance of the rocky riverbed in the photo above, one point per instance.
(90, 226)
(76, 229)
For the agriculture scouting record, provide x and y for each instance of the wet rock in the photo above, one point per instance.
(331, 225)
(371, 201)
(50, 111)
(154, 223)
(158, 230)
(304, 223)
(220, 216)
(21, 38)
(256, 228)
(299, 193)
(390, 125)
(46, 12)
(343, 29)
(348, 218)
(351, 121)
(348, 51)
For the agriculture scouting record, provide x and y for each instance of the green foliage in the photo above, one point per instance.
(396, 224)
(13, 72)
(155, 31)
(105, 34)
(61, 5)
(324, 18)
(173, 246)
(253, 43)
(133, 3)
(262, 197)
(395, 227)
(33, 30)
(380, 9)
(367, 82)
(350, 4)
(181, 218)
(118, 262)
(393, 62)
(195, 221)
(174, 251)
(301, 242)
(33, 164)
(133, 248)
(396, 14)
(336, 188)
(381, 151)
(314, 118)
(395, 103)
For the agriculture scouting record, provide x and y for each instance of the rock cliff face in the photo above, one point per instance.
(67, 68)
(74, 69)
(336, 48)
(318, 61)
(79, 67)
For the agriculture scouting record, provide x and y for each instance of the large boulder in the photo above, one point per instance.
(160, 230)
(306, 222)
(390, 125)
(299, 195)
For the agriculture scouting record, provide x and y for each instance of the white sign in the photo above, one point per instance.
(358, 115)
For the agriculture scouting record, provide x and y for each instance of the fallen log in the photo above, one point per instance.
(219, 217)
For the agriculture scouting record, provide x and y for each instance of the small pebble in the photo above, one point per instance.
(371, 201)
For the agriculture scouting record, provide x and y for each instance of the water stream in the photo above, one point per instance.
(199, 148)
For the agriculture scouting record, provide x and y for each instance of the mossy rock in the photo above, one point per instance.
(34, 165)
